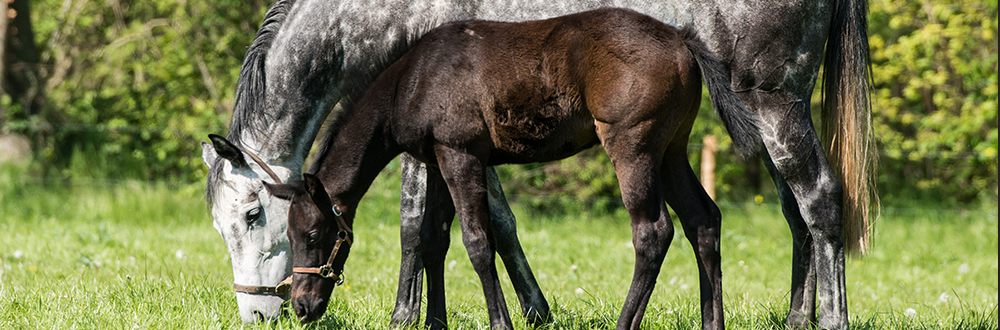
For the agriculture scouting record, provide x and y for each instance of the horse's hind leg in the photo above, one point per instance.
(639, 179)
(651, 234)
(798, 159)
(701, 220)
(802, 311)
(534, 307)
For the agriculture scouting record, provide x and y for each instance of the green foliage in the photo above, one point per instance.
(131, 87)
(134, 85)
(935, 111)
(935, 70)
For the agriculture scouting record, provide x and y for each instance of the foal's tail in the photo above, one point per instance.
(847, 122)
(740, 122)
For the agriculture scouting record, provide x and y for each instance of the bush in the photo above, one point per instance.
(131, 87)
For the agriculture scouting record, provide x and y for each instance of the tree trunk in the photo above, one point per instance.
(20, 56)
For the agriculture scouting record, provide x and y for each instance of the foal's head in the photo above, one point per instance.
(321, 240)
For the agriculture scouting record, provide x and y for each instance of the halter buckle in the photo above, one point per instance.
(283, 288)
(326, 271)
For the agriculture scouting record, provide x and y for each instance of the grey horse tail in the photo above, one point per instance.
(738, 120)
(848, 133)
(250, 86)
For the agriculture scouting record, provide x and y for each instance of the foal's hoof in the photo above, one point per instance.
(538, 317)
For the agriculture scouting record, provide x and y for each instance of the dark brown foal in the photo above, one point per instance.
(473, 94)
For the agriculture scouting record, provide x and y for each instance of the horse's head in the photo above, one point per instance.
(321, 240)
(252, 223)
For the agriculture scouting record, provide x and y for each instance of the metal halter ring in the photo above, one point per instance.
(326, 271)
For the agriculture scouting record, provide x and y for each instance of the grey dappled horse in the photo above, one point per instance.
(311, 54)
(476, 93)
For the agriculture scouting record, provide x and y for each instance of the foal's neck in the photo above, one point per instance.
(356, 148)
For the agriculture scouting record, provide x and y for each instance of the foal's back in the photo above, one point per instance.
(535, 91)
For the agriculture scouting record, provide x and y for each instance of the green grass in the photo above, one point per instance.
(135, 256)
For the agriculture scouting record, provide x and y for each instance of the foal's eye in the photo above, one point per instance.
(314, 237)
(252, 215)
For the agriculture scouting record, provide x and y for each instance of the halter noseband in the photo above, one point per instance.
(285, 285)
(282, 289)
(344, 234)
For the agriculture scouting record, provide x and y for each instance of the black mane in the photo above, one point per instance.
(247, 119)
(250, 87)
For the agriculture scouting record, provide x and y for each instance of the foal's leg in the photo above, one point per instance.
(424, 237)
(436, 237)
(798, 158)
(702, 224)
(651, 233)
(639, 178)
(533, 305)
(466, 178)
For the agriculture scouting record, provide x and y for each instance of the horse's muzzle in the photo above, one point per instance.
(309, 308)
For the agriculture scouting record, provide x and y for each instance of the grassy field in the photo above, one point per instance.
(136, 256)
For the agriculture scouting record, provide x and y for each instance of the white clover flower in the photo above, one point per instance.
(910, 312)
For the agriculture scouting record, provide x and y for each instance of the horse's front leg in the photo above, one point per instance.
(466, 178)
(413, 197)
(426, 212)
(534, 307)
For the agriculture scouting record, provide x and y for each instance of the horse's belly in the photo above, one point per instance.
(541, 140)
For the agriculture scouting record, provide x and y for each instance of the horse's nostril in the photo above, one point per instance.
(259, 316)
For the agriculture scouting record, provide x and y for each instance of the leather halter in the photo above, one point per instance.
(344, 234)
(285, 285)
(282, 289)
(264, 166)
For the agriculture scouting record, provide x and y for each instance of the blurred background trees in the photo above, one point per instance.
(124, 90)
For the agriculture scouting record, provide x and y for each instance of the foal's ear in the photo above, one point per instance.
(225, 149)
(314, 186)
(283, 191)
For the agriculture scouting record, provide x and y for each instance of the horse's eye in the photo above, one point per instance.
(314, 237)
(252, 215)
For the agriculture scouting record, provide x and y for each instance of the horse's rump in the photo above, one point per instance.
(539, 86)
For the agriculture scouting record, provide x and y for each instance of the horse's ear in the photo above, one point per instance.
(283, 191)
(225, 149)
(208, 154)
(315, 187)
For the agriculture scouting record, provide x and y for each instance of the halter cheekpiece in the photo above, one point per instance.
(344, 234)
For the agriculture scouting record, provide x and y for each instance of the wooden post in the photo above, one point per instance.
(708, 164)
(3, 42)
